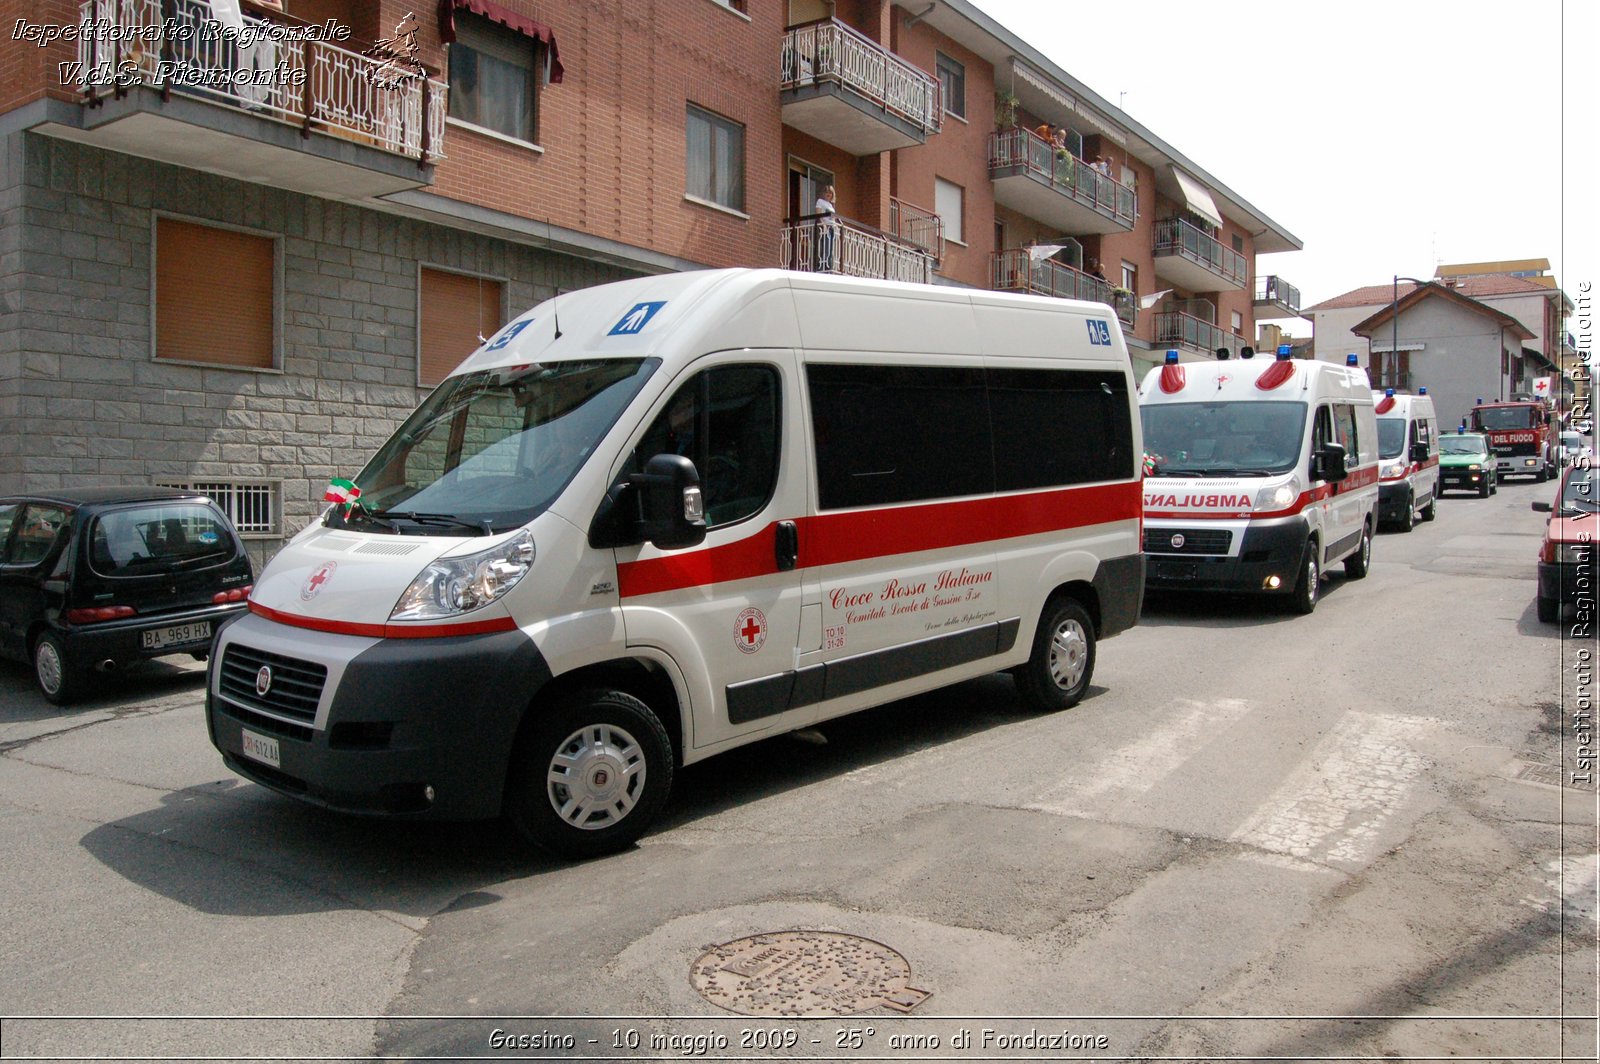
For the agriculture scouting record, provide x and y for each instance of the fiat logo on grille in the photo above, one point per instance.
(1178, 541)
(263, 681)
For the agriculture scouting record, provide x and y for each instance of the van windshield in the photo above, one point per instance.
(488, 451)
(1223, 439)
(1391, 436)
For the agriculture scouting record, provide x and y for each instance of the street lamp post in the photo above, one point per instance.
(1394, 318)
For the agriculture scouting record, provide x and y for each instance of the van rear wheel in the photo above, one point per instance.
(1057, 673)
(588, 774)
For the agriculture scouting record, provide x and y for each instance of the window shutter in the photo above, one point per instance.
(214, 295)
(455, 310)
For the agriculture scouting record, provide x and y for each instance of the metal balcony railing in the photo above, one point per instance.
(1176, 327)
(1015, 270)
(1174, 236)
(917, 225)
(1061, 170)
(830, 51)
(176, 45)
(1274, 289)
(828, 243)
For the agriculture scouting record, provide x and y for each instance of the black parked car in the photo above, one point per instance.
(92, 579)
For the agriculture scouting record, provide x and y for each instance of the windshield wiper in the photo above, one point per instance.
(338, 518)
(439, 520)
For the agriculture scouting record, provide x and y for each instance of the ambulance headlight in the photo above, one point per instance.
(1278, 498)
(458, 585)
(1392, 469)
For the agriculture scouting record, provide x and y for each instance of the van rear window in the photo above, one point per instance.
(158, 537)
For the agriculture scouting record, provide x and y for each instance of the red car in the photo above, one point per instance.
(1567, 556)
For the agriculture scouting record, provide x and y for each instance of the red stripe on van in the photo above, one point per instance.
(833, 539)
(385, 631)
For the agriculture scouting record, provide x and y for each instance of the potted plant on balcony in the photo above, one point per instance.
(1005, 109)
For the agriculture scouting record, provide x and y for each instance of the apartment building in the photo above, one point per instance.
(237, 260)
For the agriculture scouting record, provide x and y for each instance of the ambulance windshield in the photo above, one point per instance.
(1391, 436)
(487, 451)
(1222, 439)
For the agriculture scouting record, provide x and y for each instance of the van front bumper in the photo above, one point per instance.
(1270, 548)
(412, 727)
(1393, 498)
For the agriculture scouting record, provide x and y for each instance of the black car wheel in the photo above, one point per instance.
(50, 671)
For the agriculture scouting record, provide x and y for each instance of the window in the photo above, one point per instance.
(947, 205)
(1084, 412)
(201, 320)
(36, 534)
(160, 537)
(495, 75)
(1344, 423)
(252, 506)
(1238, 243)
(1236, 322)
(726, 421)
(1130, 277)
(952, 86)
(887, 434)
(455, 313)
(715, 159)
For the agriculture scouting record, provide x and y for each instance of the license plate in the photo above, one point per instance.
(1175, 570)
(258, 747)
(177, 635)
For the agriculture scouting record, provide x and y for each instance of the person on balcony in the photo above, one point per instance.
(826, 228)
(1095, 270)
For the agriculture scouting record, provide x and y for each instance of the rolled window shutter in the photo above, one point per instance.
(214, 295)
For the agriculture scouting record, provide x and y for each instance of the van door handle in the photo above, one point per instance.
(787, 545)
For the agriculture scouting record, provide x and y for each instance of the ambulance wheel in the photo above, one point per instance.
(1408, 515)
(588, 773)
(1057, 674)
(1306, 591)
(1356, 566)
(1549, 610)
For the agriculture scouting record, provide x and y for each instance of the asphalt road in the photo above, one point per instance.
(1261, 835)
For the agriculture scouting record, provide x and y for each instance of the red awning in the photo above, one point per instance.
(509, 19)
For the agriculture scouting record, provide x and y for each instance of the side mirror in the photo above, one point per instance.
(672, 508)
(1542, 507)
(1328, 464)
(1419, 452)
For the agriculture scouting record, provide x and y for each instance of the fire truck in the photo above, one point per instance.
(1520, 435)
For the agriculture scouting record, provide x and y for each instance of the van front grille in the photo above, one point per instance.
(1194, 540)
(296, 686)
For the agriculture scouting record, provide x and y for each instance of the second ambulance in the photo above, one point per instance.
(1259, 475)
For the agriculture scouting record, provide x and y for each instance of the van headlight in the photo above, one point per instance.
(1392, 469)
(459, 585)
(1281, 497)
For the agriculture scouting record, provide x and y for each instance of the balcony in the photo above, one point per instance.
(1276, 298)
(849, 91)
(917, 225)
(1176, 329)
(828, 243)
(159, 81)
(1030, 176)
(1014, 270)
(1192, 259)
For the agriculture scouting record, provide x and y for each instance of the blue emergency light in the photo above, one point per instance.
(1389, 392)
(1351, 360)
(1422, 391)
(1172, 358)
(1284, 352)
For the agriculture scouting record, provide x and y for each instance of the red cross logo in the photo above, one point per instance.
(750, 630)
(321, 575)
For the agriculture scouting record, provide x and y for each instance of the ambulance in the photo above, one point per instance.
(1260, 475)
(654, 520)
(1408, 458)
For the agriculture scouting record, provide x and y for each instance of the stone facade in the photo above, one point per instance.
(86, 402)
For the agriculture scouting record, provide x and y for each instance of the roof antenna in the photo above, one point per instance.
(555, 312)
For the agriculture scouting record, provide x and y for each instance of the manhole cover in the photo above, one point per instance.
(804, 973)
(1553, 776)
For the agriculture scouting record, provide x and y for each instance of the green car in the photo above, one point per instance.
(1466, 464)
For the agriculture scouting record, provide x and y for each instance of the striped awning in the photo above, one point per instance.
(510, 20)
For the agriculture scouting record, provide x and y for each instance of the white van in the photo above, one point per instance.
(654, 520)
(1259, 475)
(1408, 458)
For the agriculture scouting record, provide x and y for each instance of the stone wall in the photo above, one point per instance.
(85, 401)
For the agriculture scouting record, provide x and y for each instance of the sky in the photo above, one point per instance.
(1387, 136)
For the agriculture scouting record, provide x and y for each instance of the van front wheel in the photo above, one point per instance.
(1058, 672)
(589, 774)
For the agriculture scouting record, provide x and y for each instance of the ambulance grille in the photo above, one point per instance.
(1195, 540)
(296, 685)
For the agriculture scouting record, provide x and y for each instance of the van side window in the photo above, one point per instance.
(726, 421)
(1083, 413)
(1344, 424)
(888, 434)
(1322, 429)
